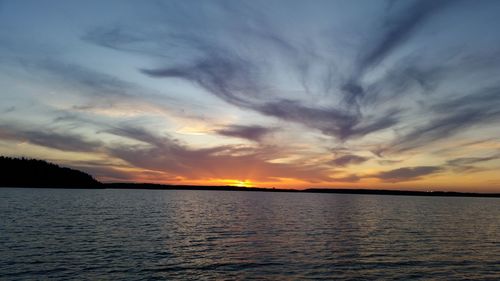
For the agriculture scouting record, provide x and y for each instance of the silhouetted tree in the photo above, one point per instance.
(15, 172)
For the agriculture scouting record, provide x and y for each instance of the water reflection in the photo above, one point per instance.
(87, 234)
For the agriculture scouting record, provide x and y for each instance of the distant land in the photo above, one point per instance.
(32, 173)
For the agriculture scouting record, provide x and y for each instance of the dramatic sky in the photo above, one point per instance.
(352, 93)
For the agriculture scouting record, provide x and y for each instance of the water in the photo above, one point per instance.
(218, 235)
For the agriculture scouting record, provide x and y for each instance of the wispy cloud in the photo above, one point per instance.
(239, 77)
(348, 160)
(253, 133)
(468, 163)
(452, 117)
(99, 93)
(48, 138)
(397, 29)
(170, 156)
(407, 173)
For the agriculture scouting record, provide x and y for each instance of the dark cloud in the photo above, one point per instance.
(407, 173)
(396, 30)
(471, 160)
(93, 83)
(141, 134)
(111, 172)
(222, 73)
(437, 129)
(231, 81)
(106, 173)
(122, 39)
(483, 100)
(330, 121)
(416, 74)
(467, 163)
(452, 117)
(403, 79)
(389, 162)
(348, 160)
(254, 133)
(49, 138)
(9, 109)
(349, 179)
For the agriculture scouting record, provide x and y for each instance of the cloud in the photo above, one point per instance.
(403, 79)
(106, 173)
(224, 162)
(239, 76)
(407, 173)
(350, 179)
(231, 81)
(349, 159)
(330, 121)
(402, 76)
(466, 163)
(397, 29)
(389, 162)
(99, 93)
(227, 75)
(451, 117)
(9, 109)
(470, 160)
(161, 158)
(253, 133)
(49, 138)
(79, 78)
(121, 39)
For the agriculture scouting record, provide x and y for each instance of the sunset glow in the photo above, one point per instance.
(284, 94)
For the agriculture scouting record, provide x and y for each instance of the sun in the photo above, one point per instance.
(235, 182)
(243, 183)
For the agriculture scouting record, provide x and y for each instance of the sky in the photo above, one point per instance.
(286, 94)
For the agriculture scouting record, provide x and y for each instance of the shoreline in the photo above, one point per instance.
(140, 186)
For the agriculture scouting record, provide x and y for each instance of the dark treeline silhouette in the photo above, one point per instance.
(192, 187)
(401, 192)
(309, 190)
(37, 173)
(22, 172)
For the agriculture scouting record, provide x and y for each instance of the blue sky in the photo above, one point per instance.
(376, 94)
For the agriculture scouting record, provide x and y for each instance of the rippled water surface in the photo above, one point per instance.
(218, 235)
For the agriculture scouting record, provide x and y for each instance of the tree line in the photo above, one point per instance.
(23, 172)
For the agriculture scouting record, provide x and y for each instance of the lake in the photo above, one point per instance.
(222, 235)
